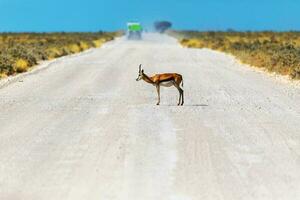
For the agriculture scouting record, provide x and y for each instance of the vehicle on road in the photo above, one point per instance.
(134, 31)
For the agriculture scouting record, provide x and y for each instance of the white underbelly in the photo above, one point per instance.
(166, 84)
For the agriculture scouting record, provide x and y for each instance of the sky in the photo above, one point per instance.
(109, 15)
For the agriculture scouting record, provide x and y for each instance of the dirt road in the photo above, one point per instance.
(84, 129)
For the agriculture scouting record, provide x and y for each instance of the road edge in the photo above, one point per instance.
(43, 65)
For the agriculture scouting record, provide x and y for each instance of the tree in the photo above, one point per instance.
(162, 26)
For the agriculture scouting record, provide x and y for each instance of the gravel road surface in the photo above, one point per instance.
(84, 129)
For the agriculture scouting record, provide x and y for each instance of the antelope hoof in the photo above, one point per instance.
(157, 104)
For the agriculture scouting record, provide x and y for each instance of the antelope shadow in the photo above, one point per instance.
(185, 105)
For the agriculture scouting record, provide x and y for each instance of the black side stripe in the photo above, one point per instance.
(166, 80)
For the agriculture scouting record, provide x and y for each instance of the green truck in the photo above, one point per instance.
(134, 31)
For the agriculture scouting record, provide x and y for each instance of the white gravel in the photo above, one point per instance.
(84, 129)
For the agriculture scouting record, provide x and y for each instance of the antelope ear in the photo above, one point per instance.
(142, 71)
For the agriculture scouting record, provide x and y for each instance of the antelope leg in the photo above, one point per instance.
(180, 91)
(158, 93)
(182, 97)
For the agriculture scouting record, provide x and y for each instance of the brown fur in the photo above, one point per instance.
(158, 79)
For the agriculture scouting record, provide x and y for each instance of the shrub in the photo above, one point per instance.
(21, 65)
(53, 52)
(19, 51)
(74, 48)
(277, 52)
(98, 43)
(83, 45)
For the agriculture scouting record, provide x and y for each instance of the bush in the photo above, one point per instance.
(276, 51)
(162, 26)
(21, 65)
(19, 51)
(74, 48)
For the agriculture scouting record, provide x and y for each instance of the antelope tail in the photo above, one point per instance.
(182, 83)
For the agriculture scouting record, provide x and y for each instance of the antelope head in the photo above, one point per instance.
(141, 73)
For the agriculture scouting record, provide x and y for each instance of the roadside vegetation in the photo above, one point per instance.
(275, 51)
(20, 51)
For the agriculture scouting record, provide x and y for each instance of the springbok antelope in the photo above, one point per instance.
(165, 80)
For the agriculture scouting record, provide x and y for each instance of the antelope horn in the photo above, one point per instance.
(140, 67)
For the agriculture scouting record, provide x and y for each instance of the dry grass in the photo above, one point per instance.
(20, 51)
(275, 51)
(21, 65)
